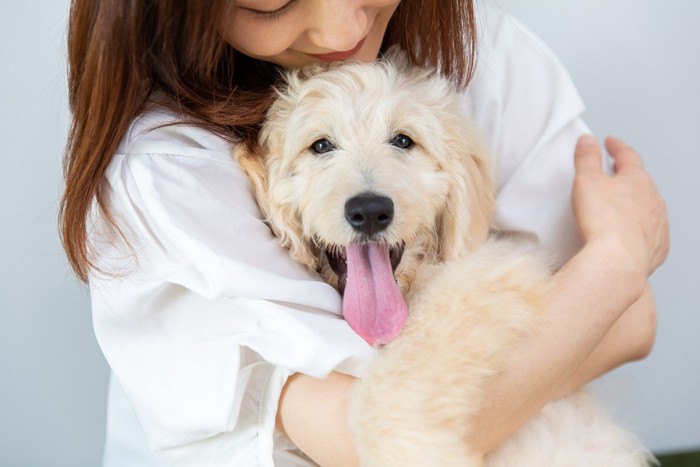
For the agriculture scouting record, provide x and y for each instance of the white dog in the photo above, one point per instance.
(369, 169)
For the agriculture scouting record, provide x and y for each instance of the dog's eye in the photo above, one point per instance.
(402, 141)
(322, 146)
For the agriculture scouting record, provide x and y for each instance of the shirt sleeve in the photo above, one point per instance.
(201, 315)
(530, 113)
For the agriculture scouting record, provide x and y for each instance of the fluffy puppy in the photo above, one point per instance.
(370, 174)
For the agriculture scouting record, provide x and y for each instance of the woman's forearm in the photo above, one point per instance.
(314, 414)
(631, 338)
(588, 296)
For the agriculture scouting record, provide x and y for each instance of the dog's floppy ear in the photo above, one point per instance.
(258, 164)
(465, 221)
(253, 165)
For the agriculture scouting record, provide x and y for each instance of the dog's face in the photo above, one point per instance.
(376, 157)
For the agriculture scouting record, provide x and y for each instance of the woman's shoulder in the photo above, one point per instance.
(500, 33)
(521, 95)
(529, 112)
(160, 131)
(165, 171)
(513, 65)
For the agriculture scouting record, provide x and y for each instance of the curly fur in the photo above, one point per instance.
(471, 298)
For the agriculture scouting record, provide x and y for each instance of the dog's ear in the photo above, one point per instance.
(465, 221)
(252, 163)
(278, 215)
(285, 221)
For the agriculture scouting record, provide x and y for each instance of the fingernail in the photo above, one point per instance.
(586, 141)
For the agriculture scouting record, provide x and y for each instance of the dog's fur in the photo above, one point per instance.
(470, 297)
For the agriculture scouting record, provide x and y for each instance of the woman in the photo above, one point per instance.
(227, 352)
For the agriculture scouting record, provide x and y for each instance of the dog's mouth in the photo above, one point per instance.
(372, 301)
(337, 260)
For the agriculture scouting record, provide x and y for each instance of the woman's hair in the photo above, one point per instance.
(127, 56)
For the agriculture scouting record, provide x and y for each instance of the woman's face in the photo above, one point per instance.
(294, 33)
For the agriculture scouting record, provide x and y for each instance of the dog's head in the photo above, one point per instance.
(371, 160)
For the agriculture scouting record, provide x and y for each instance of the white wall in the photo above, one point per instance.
(53, 379)
(636, 64)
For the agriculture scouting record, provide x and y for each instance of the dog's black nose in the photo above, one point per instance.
(369, 213)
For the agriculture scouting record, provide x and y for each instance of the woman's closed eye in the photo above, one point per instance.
(273, 13)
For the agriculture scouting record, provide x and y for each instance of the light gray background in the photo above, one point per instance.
(637, 65)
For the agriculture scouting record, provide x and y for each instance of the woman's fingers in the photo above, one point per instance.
(624, 155)
(588, 156)
(624, 207)
(629, 163)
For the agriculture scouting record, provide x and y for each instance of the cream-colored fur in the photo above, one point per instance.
(470, 297)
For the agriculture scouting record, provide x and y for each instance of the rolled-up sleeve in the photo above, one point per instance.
(201, 315)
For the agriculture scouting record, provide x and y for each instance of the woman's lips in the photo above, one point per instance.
(337, 56)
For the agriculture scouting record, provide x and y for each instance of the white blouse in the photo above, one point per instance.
(208, 316)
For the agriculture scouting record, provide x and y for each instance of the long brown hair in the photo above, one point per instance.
(127, 56)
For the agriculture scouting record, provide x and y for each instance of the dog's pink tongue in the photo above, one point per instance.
(372, 302)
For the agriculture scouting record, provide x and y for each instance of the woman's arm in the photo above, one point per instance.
(314, 414)
(594, 297)
(631, 338)
(599, 291)
(572, 347)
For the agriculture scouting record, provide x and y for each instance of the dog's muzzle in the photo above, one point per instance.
(372, 301)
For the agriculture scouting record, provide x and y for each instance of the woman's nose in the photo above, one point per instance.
(337, 25)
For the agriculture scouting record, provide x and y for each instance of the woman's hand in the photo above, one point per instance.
(623, 211)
